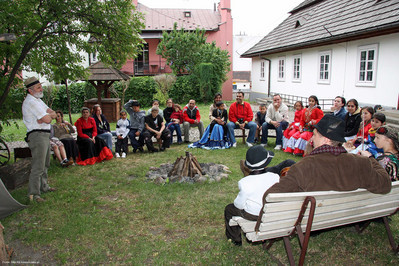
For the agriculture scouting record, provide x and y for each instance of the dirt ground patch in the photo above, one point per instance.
(27, 255)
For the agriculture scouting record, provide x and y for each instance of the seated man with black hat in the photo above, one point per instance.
(330, 167)
(252, 187)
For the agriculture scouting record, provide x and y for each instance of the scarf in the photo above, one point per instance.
(328, 149)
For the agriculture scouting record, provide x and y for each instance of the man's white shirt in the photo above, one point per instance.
(32, 110)
(252, 188)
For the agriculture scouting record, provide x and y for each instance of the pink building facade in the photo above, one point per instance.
(218, 24)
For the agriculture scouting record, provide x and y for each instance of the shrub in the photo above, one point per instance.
(185, 88)
(142, 89)
(79, 92)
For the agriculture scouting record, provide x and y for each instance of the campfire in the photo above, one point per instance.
(187, 166)
(188, 169)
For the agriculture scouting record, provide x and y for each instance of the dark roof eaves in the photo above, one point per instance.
(379, 30)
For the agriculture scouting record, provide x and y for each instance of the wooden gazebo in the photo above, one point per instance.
(102, 77)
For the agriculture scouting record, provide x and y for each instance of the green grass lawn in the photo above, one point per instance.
(109, 213)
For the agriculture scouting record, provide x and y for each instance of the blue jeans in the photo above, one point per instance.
(132, 136)
(279, 132)
(107, 137)
(172, 127)
(252, 129)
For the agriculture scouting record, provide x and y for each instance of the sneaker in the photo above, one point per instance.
(249, 144)
(263, 144)
(123, 155)
(234, 145)
(117, 155)
(278, 147)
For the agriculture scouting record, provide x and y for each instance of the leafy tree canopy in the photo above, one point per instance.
(54, 36)
(186, 50)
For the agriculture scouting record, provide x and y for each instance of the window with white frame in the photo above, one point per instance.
(367, 65)
(262, 69)
(297, 68)
(281, 69)
(324, 67)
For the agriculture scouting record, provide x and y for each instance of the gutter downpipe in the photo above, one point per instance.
(269, 74)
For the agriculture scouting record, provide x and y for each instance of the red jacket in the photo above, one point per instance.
(191, 115)
(240, 111)
(309, 115)
(366, 131)
(177, 115)
(82, 124)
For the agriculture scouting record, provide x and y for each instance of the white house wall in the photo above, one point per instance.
(343, 74)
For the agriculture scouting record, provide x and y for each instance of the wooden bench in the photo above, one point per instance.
(289, 214)
(242, 134)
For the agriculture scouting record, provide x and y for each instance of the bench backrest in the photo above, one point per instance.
(332, 209)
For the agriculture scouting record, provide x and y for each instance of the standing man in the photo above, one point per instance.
(276, 118)
(136, 124)
(240, 116)
(339, 107)
(192, 118)
(37, 117)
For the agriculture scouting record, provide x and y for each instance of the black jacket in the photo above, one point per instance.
(150, 121)
(352, 124)
(215, 113)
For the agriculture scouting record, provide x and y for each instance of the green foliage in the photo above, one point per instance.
(142, 89)
(206, 76)
(79, 92)
(185, 51)
(181, 49)
(53, 37)
(12, 107)
(185, 88)
(164, 82)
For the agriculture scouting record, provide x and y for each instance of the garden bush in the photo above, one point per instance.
(185, 88)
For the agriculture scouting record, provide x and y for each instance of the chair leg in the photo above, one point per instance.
(395, 248)
(243, 136)
(288, 249)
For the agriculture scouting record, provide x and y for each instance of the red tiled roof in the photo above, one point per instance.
(158, 19)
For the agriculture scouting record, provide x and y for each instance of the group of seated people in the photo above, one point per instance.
(329, 166)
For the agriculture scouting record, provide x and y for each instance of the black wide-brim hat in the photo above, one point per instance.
(332, 128)
(258, 157)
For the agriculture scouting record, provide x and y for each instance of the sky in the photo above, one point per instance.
(252, 17)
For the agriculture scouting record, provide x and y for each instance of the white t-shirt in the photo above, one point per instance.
(252, 188)
(32, 110)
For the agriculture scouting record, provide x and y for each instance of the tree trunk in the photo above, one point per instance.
(69, 101)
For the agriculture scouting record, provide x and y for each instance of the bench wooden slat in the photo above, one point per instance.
(356, 213)
(300, 196)
(285, 231)
(332, 205)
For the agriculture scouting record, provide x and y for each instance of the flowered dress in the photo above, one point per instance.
(391, 164)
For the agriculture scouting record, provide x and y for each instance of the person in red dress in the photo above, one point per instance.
(294, 126)
(310, 117)
(92, 149)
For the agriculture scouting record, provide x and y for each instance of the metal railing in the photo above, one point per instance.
(325, 104)
(149, 68)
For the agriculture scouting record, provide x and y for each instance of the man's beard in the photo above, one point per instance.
(38, 95)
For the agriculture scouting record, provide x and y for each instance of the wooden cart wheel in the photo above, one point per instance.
(4, 153)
